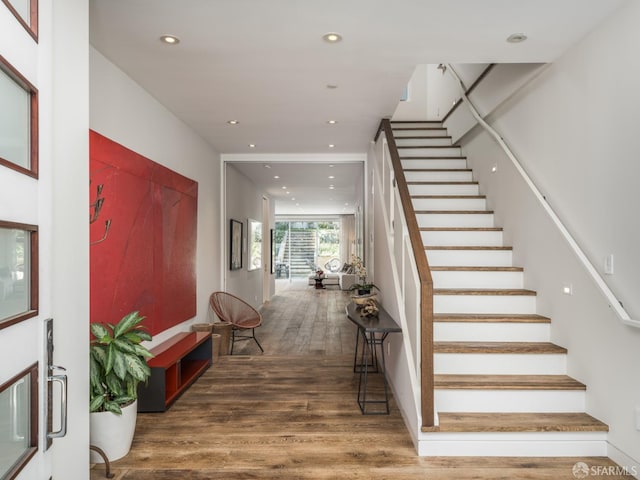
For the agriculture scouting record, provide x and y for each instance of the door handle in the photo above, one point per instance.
(62, 379)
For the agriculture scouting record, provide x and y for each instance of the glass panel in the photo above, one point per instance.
(15, 426)
(23, 8)
(255, 245)
(15, 268)
(15, 145)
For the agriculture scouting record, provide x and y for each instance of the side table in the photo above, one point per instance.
(373, 331)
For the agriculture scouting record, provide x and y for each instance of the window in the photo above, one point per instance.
(18, 121)
(18, 421)
(18, 272)
(26, 12)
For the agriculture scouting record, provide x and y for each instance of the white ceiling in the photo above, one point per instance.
(264, 63)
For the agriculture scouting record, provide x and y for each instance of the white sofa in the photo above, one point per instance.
(344, 280)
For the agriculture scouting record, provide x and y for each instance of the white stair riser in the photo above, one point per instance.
(469, 258)
(455, 176)
(456, 220)
(423, 142)
(429, 152)
(456, 238)
(484, 304)
(444, 189)
(499, 364)
(508, 444)
(452, 163)
(425, 132)
(561, 401)
(471, 279)
(491, 332)
(427, 124)
(477, 204)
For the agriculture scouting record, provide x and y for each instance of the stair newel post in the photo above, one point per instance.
(426, 283)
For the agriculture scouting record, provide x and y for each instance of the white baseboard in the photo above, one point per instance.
(632, 466)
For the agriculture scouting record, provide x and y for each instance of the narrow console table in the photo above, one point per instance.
(373, 331)
(177, 363)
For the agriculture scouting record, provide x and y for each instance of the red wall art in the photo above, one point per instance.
(143, 238)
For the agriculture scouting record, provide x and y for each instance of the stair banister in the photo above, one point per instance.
(426, 282)
(610, 296)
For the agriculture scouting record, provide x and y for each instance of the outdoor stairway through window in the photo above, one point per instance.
(501, 386)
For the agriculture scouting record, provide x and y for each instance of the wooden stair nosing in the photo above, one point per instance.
(476, 269)
(460, 229)
(519, 348)
(506, 382)
(519, 422)
(455, 212)
(440, 170)
(415, 147)
(486, 292)
(489, 318)
(469, 247)
(424, 137)
(448, 197)
(435, 157)
(440, 183)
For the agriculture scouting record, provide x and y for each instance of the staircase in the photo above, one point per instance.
(303, 251)
(501, 386)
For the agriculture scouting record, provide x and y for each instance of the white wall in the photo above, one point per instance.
(243, 201)
(122, 111)
(574, 128)
(415, 106)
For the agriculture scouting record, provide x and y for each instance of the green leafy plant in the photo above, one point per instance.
(117, 363)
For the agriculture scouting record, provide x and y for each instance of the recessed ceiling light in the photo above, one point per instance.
(331, 165)
(346, 204)
(288, 193)
(253, 145)
(331, 145)
(332, 176)
(516, 38)
(276, 176)
(297, 204)
(170, 39)
(293, 198)
(331, 187)
(332, 122)
(265, 165)
(284, 188)
(233, 122)
(332, 37)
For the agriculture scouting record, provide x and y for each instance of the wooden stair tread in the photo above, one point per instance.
(520, 422)
(434, 157)
(498, 347)
(437, 170)
(455, 212)
(425, 137)
(484, 291)
(442, 183)
(426, 146)
(477, 269)
(460, 229)
(507, 382)
(489, 318)
(448, 197)
(467, 247)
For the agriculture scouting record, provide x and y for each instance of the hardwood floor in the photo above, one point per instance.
(292, 414)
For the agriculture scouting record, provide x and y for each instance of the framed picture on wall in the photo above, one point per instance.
(235, 245)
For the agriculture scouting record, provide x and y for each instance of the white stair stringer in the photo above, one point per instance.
(479, 298)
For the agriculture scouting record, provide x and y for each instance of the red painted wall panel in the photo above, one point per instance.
(147, 260)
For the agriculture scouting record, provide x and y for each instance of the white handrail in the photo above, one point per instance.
(611, 298)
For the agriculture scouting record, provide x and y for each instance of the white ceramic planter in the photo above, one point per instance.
(113, 433)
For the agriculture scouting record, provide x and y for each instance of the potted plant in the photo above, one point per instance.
(117, 365)
(364, 287)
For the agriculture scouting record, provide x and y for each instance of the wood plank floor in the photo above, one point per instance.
(292, 414)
